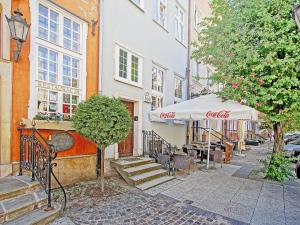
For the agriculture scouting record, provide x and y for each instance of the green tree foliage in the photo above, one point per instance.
(254, 47)
(103, 120)
(278, 167)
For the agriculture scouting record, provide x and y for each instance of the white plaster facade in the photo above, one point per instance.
(5, 91)
(123, 23)
(200, 73)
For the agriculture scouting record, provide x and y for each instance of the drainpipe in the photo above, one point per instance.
(188, 71)
(101, 44)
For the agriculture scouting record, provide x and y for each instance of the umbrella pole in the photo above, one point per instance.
(208, 150)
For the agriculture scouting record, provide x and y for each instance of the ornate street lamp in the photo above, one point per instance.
(296, 14)
(18, 29)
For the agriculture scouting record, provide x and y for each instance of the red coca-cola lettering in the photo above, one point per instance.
(221, 114)
(169, 115)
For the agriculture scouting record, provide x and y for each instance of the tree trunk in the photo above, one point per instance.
(278, 137)
(102, 167)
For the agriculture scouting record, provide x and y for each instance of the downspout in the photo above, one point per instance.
(188, 69)
(101, 45)
(188, 72)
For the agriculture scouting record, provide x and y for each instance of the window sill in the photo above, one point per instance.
(155, 21)
(184, 45)
(129, 83)
(138, 6)
(49, 125)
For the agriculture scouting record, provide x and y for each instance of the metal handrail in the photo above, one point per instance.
(38, 158)
(164, 141)
(220, 138)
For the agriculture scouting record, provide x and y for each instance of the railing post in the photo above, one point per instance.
(21, 152)
(32, 156)
(143, 132)
(152, 142)
(49, 207)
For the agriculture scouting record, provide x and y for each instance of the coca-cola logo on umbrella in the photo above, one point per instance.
(218, 115)
(169, 115)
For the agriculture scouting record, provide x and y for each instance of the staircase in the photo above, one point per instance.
(141, 172)
(23, 202)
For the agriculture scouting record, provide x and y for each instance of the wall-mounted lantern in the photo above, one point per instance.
(18, 29)
(296, 14)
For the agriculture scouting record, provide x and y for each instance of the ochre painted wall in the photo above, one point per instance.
(81, 145)
(87, 10)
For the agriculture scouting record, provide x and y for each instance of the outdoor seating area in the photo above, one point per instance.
(196, 153)
(189, 156)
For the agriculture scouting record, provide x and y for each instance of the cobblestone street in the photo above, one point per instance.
(219, 196)
(130, 206)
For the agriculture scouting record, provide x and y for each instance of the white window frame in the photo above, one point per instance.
(157, 16)
(156, 93)
(179, 23)
(208, 78)
(141, 5)
(35, 42)
(197, 19)
(130, 53)
(176, 98)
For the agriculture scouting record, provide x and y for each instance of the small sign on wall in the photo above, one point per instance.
(147, 97)
(62, 141)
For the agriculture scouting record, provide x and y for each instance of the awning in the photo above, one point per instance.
(205, 107)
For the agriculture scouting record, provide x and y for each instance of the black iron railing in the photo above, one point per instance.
(154, 144)
(37, 155)
(158, 148)
(214, 133)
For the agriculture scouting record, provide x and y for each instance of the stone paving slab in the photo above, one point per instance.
(244, 171)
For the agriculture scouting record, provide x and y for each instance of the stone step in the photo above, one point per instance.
(17, 206)
(37, 217)
(144, 177)
(125, 163)
(155, 182)
(142, 169)
(13, 186)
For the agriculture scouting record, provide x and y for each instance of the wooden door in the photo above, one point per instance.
(125, 147)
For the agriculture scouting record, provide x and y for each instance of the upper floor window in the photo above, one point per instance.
(197, 19)
(48, 24)
(178, 89)
(60, 80)
(139, 3)
(71, 35)
(48, 29)
(179, 23)
(128, 66)
(160, 12)
(157, 87)
(47, 65)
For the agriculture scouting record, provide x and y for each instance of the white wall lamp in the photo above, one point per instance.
(18, 29)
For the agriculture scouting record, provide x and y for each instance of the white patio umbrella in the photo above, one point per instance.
(209, 107)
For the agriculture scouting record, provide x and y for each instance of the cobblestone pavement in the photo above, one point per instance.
(130, 206)
(215, 196)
